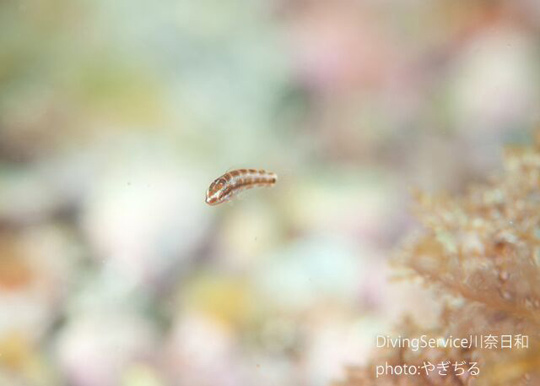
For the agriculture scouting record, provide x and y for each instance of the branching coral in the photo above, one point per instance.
(481, 252)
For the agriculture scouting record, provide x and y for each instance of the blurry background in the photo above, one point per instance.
(115, 116)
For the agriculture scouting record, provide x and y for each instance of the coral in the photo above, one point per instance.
(481, 253)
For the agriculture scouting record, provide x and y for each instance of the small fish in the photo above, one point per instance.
(231, 183)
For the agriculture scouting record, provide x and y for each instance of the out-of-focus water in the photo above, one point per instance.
(116, 116)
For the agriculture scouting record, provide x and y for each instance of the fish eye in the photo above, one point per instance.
(218, 184)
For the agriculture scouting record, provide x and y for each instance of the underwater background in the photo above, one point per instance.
(377, 116)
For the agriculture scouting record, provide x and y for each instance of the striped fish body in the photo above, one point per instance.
(231, 183)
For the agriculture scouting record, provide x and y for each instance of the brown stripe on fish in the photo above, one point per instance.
(228, 185)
